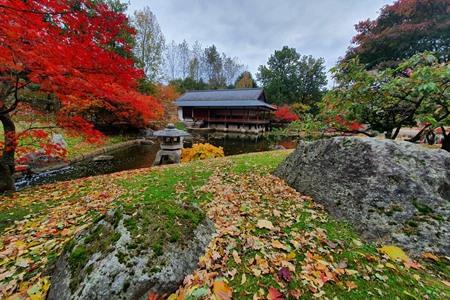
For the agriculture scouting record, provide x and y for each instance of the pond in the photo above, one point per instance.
(142, 156)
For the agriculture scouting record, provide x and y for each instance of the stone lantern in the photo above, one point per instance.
(171, 143)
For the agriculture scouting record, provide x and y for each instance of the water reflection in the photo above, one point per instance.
(142, 156)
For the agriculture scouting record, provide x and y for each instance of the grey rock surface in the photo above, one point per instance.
(108, 275)
(391, 192)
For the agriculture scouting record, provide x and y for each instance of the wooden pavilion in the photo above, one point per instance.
(234, 110)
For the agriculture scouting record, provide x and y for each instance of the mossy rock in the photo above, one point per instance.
(125, 256)
(391, 191)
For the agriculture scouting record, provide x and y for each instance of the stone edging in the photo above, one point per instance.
(95, 153)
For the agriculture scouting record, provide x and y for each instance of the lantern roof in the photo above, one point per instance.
(170, 131)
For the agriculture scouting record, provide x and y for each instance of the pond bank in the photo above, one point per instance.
(93, 154)
(140, 153)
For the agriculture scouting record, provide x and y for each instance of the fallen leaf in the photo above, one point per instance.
(21, 262)
(296, 294)
(285, 274)
(431, 256)
(236, 257)
(351, 272)
(274, 294)
(412, 264)
(390, 266)
(152, 296)
(222, 291)
(244, 279)
(394, 252)
(265, 224)
(351, 285)
(278, 245)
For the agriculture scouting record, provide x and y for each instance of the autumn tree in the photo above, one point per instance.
(70, 50)
(289, 77)
(245, 81)
(402, 29)
(416, 91)
(285, 114)
(149, 43)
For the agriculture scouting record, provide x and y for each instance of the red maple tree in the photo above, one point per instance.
(285, 114)
(73, 50)
(403, 28)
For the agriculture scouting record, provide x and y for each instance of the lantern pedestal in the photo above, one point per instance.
(164, 157)
(171, 143)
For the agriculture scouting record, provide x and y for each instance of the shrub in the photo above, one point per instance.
(285, 114)
(201, 151)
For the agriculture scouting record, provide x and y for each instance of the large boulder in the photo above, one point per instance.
(392, 192)
(107, 261)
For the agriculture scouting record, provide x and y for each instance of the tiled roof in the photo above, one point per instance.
(224, 98)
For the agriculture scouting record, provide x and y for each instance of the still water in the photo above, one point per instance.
(142, 156)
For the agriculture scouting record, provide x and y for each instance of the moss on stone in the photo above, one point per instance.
(422, 208)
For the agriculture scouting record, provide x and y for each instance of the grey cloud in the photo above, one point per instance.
(254, 29)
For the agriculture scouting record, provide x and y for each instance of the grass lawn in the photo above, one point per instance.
(270, 240)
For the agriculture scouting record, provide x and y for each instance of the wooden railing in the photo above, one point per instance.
(237, 120)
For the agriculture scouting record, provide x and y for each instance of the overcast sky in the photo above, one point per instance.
(253, 29)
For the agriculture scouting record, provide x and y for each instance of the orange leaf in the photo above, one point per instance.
(222, 290)
(430, 256)
(274, 294)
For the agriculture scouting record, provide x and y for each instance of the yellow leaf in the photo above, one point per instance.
(265, 224)
(244, 279)
(222, 291)
(394, 252)
(37, 297)
(351, 272)
(390, 266)
(291, 255)
(416, 277)
(172, 297)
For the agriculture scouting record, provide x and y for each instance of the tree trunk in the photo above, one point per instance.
(419, 135)
(6, 179)
(388, 134)
(7, 159)
(397, 131)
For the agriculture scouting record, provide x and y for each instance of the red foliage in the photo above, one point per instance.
(402, 29)
(285, 114)
(71, 50)
(78, 123)
(348, 125)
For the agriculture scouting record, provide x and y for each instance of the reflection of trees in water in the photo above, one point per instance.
(130, 158)
(238, 143)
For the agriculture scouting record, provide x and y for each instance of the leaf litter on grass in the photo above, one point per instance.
(270, 244)
(32, 242)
